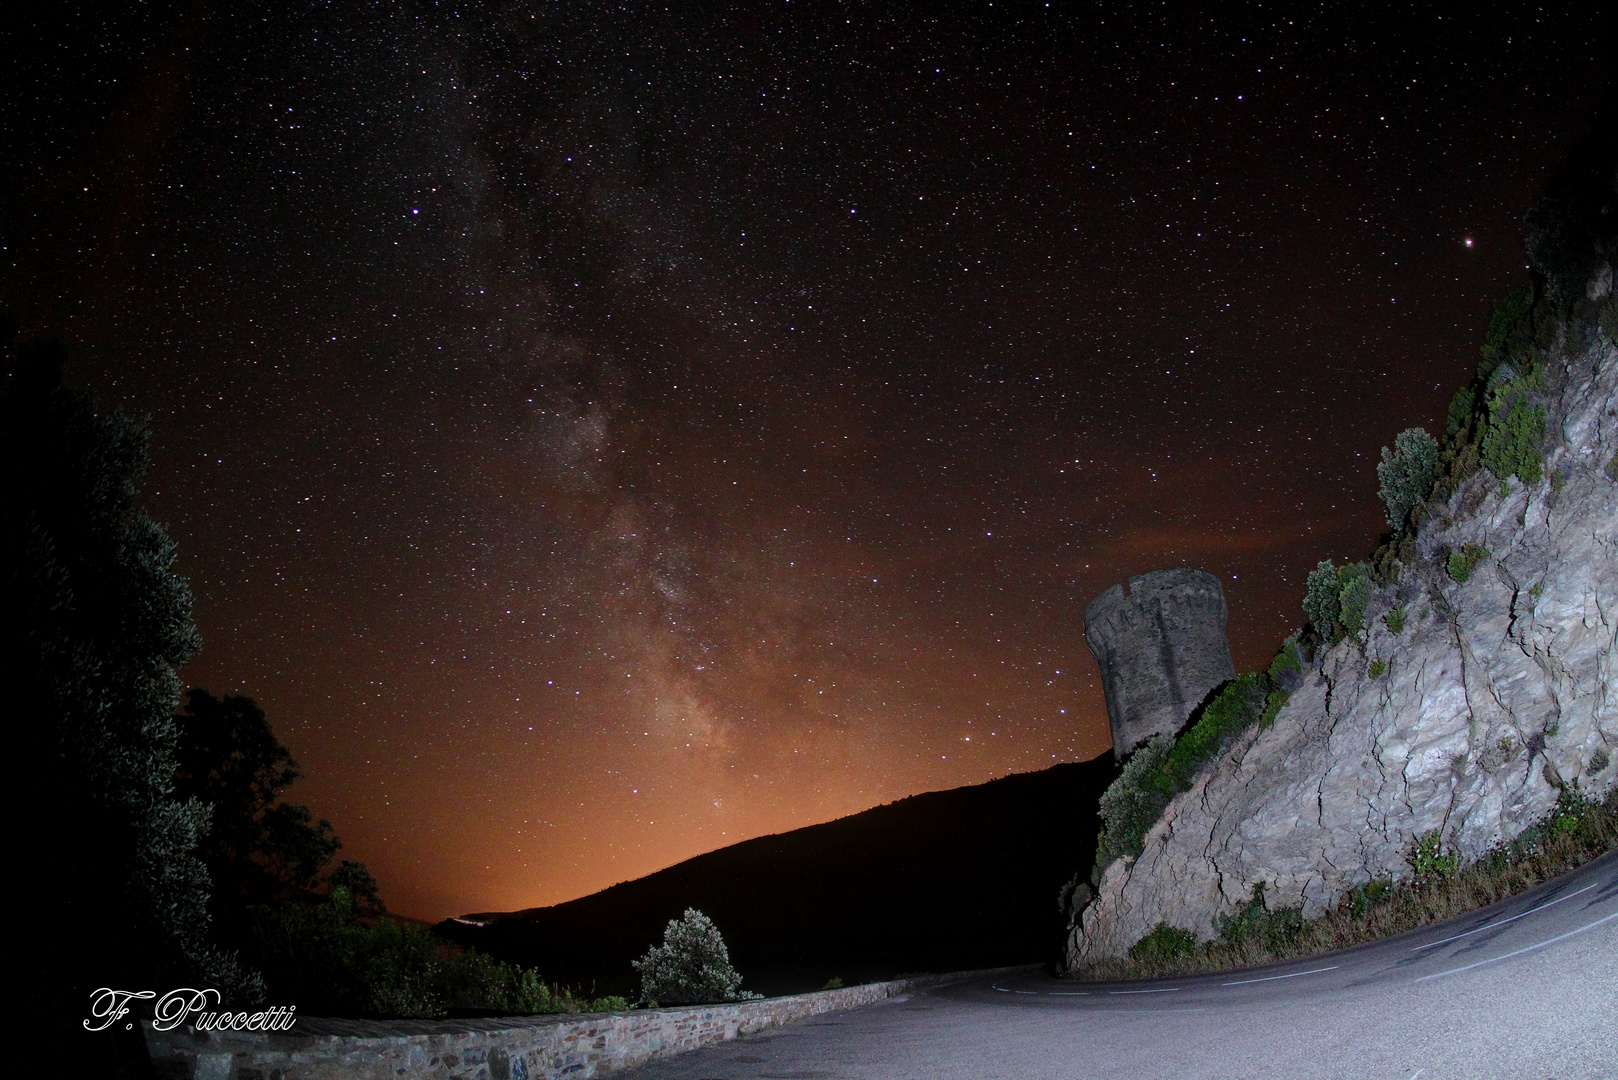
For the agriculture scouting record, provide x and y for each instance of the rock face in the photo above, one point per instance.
(1499, 688)
(1161, 648)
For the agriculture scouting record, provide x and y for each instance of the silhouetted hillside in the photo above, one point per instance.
(944, 881)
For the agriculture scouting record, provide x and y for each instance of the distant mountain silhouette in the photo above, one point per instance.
(946, 881)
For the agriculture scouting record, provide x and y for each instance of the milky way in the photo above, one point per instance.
(597, 434)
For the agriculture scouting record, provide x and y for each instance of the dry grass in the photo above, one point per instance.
(1578, 831)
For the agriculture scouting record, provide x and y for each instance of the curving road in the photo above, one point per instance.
(1526, 989)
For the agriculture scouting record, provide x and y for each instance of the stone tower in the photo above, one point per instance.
(1161, 648)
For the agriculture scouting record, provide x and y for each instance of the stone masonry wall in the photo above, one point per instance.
(503, 1048)
(1161, 649)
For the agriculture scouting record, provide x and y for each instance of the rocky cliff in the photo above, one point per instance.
(1496, 690)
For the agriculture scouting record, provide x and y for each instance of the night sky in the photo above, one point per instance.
(599, 433)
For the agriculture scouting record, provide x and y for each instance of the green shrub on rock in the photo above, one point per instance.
(1287, 664)
(1460, 409)
(1282, 676)
(1406, 474)
(1510, 327)
(1461, 563)
(1255, 921)
(1236, 708)
(1516, 427)
(1364, 897)
(1428, 858)
(1165, 942)
(1163, 766)
(1272, 707)
(1320, 602)
(691, 967)
(1353, 597)
(1131, 804)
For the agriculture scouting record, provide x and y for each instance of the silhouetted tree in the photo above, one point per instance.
(362, 888)
(258, 849)
(96, 622)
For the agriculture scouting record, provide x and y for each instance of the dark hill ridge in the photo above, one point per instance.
(945, 881)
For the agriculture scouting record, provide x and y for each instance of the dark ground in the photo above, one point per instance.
(946, 881)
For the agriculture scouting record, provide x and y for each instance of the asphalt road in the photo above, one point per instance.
(1526, 989)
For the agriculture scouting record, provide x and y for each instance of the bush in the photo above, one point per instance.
(1353, 598)
(334, 961)
(322, 956)
(1320, 602)
(1165, 942)
(1460, 409)
(1131, 804)
(1287, 664)
(691, 967)
(1406, 474)
(1516, 427)
(1272, 707)
(1282, 677)
(1275, 930)
(1429, 859)
(1508, 325)
(476, 982)
(1163, 766)
(1363, 897)
(1461, 563)
(1237, 708)
(1395, 620)
(1335, 599)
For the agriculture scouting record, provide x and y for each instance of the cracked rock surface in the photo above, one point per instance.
(1498, 689)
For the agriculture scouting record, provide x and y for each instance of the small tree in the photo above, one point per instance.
(691, 967)
(1353, 597)
(1320, 599)
(258, 849)
(1406, 473)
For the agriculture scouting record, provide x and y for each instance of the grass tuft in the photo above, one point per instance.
(1461, 563)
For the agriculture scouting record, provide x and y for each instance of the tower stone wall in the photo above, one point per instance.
(1161, 648)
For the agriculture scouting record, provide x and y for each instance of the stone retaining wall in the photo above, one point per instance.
(503, 1048)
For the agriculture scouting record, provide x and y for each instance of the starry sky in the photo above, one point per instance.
(601, 432)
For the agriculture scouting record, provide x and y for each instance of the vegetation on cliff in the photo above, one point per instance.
(1165, 766)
